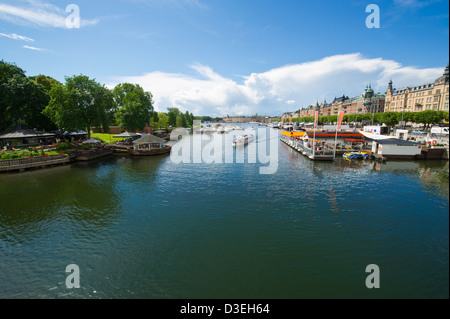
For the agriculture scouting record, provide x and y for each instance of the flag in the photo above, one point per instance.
(282, 120)
(316, 118)
(290, 120)
(340, 118)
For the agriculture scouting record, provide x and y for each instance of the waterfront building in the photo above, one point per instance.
(426, 96)
(24, 137)
(149, 142)
(367, 102)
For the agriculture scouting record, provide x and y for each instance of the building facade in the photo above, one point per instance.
(427, 96)
(367, 102)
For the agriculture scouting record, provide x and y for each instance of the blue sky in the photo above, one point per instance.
(226, 57)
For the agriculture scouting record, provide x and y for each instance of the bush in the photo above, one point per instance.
(64, 146)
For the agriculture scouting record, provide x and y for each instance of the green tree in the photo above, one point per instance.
(154, 120)
(134, 106)
(163, 120)
(187, 118)
(181, 120)
(80, 104)
(172, 115)
(428, 117)
(21, 99)
(47, 82)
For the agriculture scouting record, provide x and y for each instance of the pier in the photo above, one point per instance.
(322, 153)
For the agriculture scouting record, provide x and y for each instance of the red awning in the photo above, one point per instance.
(353, 140)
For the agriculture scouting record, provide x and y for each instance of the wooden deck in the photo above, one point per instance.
(30, 163)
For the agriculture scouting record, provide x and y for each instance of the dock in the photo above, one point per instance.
(325, 154)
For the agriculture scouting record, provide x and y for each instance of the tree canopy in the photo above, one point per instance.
(80, 104)
(22, 100)
(134, 106)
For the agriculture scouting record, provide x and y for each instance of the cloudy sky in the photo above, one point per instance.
(217, 57)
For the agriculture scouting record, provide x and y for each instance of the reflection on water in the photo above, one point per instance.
(149, 228)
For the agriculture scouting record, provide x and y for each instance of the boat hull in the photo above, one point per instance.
(152, 152)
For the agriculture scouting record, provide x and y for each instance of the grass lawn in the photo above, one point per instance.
(107, 138)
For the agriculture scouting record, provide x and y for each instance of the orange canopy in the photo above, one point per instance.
(293, 134)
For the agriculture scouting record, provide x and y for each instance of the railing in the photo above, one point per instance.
(33, 160)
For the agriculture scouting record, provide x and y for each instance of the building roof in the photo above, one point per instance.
(149, 139)
(21, 132)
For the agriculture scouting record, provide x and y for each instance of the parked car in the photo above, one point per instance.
(419, 132)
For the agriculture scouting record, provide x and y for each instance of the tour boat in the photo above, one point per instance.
(243, 139)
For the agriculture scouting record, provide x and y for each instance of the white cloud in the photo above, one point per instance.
(34, 48)
(278, 90)
(38, 13)
(413, 3)
(17, 37)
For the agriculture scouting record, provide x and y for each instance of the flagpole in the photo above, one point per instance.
(335, 143)
(338, 126)
(316, 119)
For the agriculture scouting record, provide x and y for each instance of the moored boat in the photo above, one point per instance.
(356, 155)
(243, 139)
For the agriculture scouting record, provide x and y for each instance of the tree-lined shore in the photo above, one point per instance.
(81, 103)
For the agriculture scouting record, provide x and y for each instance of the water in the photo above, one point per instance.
(149, 228)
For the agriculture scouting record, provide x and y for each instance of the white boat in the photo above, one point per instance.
(243, 139)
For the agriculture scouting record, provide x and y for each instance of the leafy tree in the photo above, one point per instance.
(163, 120)
(47, 82)
(134, 106)
(80, 104)
(428, 117)
(154, 120)
(21, 99)
(390, 118)
(172, 115)
(181, 120)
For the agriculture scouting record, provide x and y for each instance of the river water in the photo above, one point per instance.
(152, 228)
